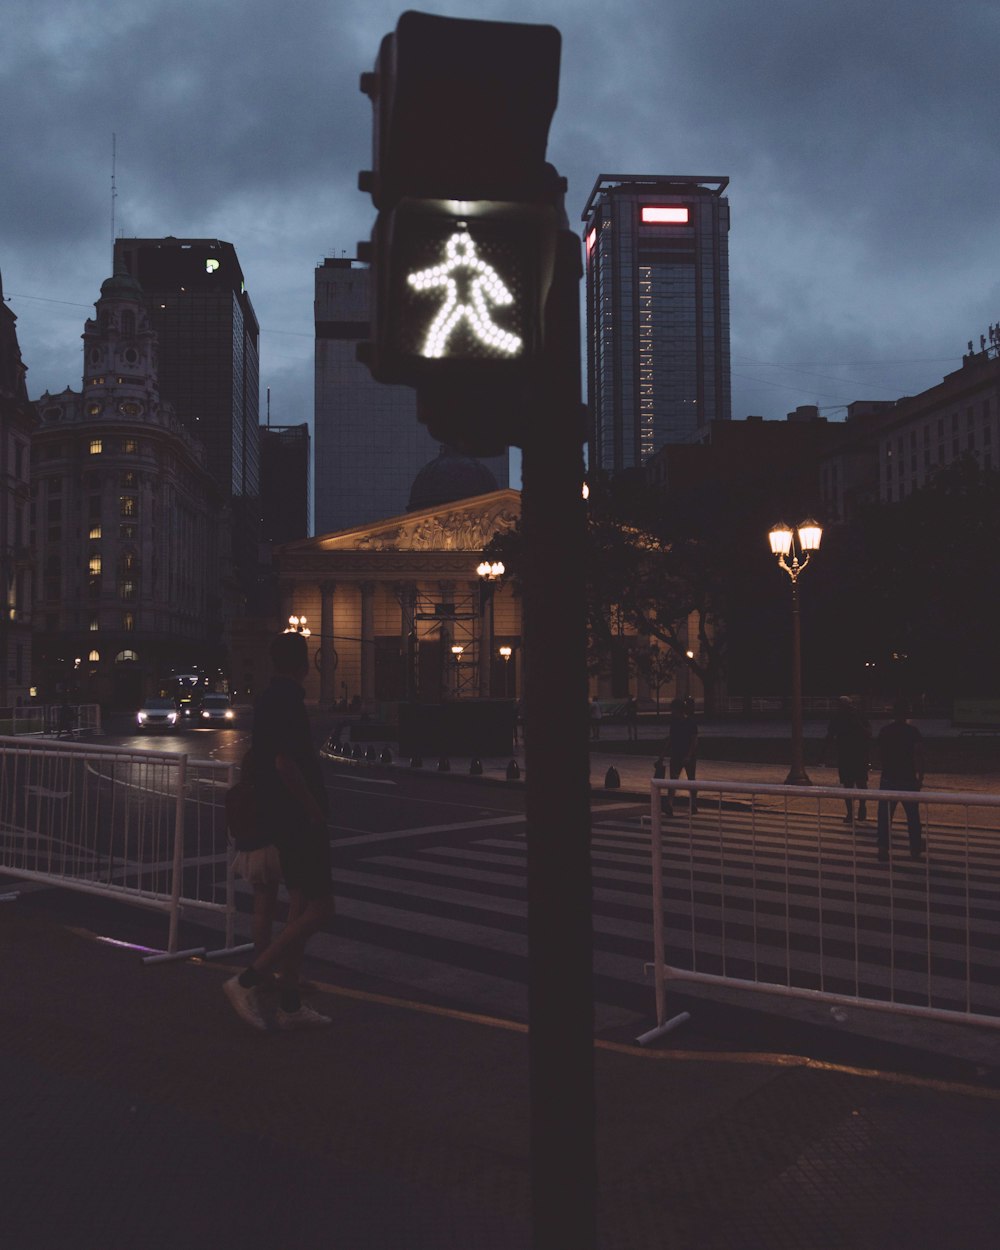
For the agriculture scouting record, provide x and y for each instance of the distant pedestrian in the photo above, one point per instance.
(850, 735)
(293, 811)
(682, 749)
(596, 716)
(632, 719)
(900, 747)
(67, 721)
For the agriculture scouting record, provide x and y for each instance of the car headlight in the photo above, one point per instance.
(204, 716)
(141, 718)
(229, 714)
(172, 717)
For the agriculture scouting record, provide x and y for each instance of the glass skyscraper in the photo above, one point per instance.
(657, 256)
(209, 368)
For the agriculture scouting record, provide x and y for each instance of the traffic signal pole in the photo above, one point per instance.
(560, 935)
(477, 306)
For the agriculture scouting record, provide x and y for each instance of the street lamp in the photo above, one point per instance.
(488, 574)
(505, 653)
(297, 625)
(793, 549)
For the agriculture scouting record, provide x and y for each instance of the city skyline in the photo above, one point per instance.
(846, 134)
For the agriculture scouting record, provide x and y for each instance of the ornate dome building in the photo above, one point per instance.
(449, 477)
(125, 518)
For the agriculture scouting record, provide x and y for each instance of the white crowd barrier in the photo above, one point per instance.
(770, 887)
(146, 827)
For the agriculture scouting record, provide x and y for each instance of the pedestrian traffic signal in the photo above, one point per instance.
(463, 248)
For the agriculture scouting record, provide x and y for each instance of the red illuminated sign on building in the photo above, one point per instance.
(665, 216)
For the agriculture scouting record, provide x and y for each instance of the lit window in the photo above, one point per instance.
(95, 531)
(94, 657)
(95, 565)
(128, 622)
(128, 478)
(126, 657)
(128, 504)
(129, 446)
(95, 446)
(127, 588)
(95, 624)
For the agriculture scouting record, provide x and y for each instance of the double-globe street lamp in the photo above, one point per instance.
(489, 572)
(793, 549)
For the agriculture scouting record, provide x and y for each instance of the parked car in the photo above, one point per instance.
(215, 709)
(158, 713)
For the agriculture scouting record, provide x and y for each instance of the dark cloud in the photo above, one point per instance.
(860, 141)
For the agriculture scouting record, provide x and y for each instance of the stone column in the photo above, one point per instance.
(407, 595)
(367, 643)
(327, 647)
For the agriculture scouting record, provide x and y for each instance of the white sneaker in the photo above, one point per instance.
(246, 1003)
(304, 1018)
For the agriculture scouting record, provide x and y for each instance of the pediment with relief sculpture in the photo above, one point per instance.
(466, 525)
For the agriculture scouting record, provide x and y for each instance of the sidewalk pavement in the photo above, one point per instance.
(635, 770)
(140, 1113)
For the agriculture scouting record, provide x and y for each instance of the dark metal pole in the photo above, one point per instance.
(798, 775)
(560, 987)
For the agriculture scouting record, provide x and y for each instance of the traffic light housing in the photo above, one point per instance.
(463, 248)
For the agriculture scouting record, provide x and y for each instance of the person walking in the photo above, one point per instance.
(900, 747)
(682, 749)
(849, 733)
(293, 811)
(255, 857)
(632, 719)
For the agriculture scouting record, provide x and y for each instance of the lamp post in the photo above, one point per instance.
(793, 549)
(488, 573)
(505, 653)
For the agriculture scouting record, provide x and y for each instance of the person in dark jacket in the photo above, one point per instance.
(682, 748)
(900, 747)
(850, 735)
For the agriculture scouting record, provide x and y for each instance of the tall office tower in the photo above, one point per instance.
(657, 255)
(284, 482)
(369, 445)
(209, 368)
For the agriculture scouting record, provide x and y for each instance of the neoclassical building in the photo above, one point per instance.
(397, 610)
(125, 521)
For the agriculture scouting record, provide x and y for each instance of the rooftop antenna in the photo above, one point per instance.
(114, 192)
(268, 407)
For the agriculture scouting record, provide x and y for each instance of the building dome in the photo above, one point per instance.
(449, 477)
(121, 286)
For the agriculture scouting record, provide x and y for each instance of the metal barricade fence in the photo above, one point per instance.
(773, 888)
(146, 827)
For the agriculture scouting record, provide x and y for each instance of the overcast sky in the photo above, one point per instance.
(860, 141)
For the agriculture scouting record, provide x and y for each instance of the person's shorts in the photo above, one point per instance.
(305, 863)
(260, 867)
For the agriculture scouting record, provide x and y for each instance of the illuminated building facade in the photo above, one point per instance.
(657, 256)
(124, 517)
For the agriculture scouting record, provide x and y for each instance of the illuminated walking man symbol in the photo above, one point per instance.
(470, 286)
